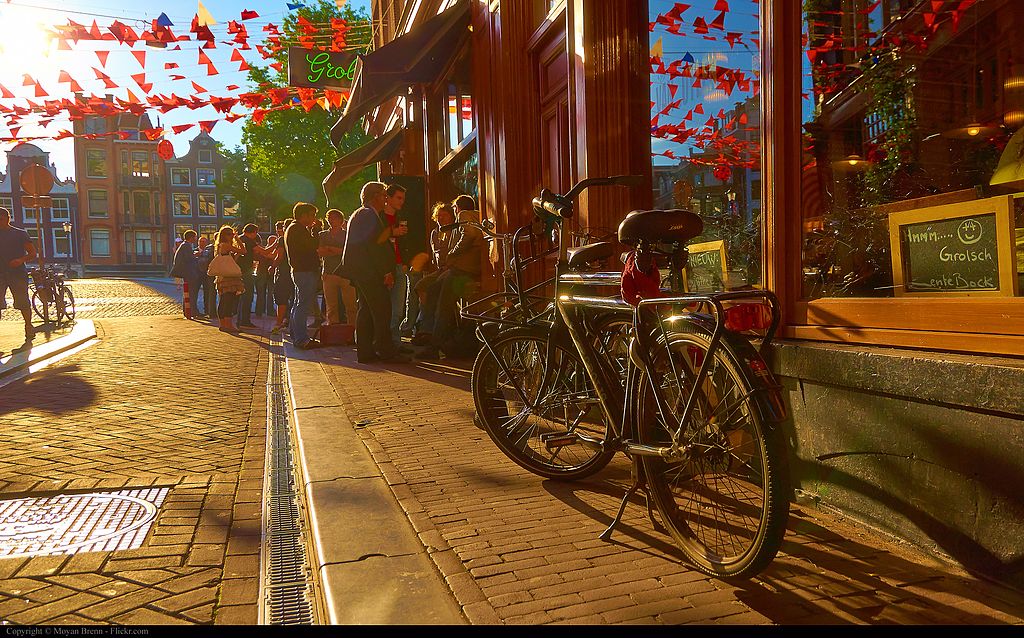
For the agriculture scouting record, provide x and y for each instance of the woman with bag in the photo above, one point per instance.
(227, 277)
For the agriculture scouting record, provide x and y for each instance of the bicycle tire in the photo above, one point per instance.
(727, 507)
(65, 306)
(40, 307)
(538, 441)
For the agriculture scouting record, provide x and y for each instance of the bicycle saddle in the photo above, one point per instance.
(655, 226)
(580, 257)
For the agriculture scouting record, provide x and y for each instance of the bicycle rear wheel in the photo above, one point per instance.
(41, 300)
(65, 305)
(536, 426)
(727, 505)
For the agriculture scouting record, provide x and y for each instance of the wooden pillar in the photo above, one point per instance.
(610, 104)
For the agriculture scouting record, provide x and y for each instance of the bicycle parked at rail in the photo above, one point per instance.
(673, 383)
(51, 296)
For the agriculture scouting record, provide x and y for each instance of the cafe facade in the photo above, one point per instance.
(862, 159)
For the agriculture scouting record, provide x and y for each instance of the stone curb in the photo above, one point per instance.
(83, 331)
(372, 564)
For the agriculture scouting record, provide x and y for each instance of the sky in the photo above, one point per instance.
(24, 49)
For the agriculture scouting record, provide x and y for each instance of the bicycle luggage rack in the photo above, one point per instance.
(507, 309)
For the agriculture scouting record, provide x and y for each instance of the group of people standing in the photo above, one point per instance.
(400, 293)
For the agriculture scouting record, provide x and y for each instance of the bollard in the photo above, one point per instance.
(186, 306)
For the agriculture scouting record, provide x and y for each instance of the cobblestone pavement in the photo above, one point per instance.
(118, 298)
(517, 549)
(159, 401)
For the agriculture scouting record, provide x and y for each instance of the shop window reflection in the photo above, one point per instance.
(906, 106)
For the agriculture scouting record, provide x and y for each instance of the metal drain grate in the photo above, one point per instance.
(288, 595)
(72, 523)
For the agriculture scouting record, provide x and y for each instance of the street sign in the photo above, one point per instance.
(36, 180)
(37, 201)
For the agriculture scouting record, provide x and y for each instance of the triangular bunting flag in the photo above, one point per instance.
(102, 55)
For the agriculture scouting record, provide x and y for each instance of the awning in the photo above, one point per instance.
(369, 153)
(416, 57)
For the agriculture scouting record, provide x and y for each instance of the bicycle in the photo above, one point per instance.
(49, 289)
(687, 398)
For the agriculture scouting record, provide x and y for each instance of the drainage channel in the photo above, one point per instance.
(288, 588)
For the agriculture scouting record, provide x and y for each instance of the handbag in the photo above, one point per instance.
(223, 266)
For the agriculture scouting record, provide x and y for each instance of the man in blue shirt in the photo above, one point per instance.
(16, 249)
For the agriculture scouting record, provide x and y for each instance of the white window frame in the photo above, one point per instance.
(212, 181)
(8, 203)
(188, 176)
(106, 163)
(26, 217)
(93, 232)
(88, 203)
(199, 206)
(142, 235)
(56, 234)
(174, 206)
(209, 156)
(223, 205)
(65, 208)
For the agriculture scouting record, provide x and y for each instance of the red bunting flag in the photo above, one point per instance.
(244, 66)
(27, 80)
(207, 125)
(249, 15)
(40, 92)
(721, 5)
(174, 76)
(197, 88)
(102, 55)
(181, 128)
(231, 87)
(170, 65)
(141, 57)
(4, 92)
(236, 55)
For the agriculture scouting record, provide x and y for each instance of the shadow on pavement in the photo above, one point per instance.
(65, 392)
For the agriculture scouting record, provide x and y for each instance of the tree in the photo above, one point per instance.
(285, 158)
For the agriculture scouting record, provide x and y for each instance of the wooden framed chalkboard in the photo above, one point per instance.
(964, 249)
(706, 271)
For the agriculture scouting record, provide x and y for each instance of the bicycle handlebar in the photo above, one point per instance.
(561, 205)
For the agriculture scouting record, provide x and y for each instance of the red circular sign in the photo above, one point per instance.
(36, 180)
(165, 150)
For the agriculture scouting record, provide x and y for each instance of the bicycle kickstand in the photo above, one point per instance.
(606, 535)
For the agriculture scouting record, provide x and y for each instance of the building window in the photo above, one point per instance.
(141, 207)
(207, 205)
(205, 177)
(99, 243)
(98, 203)
(95, 125)
(61, 210)
(705, 139)
(96, 162)
(129, 134)
(181, 204)
(205, 157)
(208, 231)
(61, 243)
(181, 177)
(458, 102)
(143, 246)
(8, 203)
(140, 164)
(180, 229)
(29, 215)
(895, 128)
(229, 205)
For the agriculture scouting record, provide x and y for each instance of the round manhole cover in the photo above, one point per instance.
(71, 523)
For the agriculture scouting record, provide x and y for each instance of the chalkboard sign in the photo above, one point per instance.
(706, 271)
(955, 249)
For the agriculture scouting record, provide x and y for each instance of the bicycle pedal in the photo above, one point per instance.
(554, 440)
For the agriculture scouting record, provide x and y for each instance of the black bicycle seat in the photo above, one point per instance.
(655, 226)
(580, 257)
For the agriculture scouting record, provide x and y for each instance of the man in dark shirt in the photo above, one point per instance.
(247, 262)
(300, 245)
(16, 249)
(369, 260)
(186, 266)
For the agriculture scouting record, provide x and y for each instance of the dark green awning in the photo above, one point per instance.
(370, 153)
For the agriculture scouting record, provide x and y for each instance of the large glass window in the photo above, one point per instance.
(208, 231)
(705, 127)
(140, 164)
(912, 172)
(458, 103)
(95, 162)
(181, 177)
(141, 207)
(229, 205)
(61, 210)
(143, 247)
(99, 243)
(61, 243)
(205, 177)
(98, 203)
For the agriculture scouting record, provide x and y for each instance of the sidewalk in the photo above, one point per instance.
(507, 547)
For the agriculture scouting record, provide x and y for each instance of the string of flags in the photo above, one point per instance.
(161, 33)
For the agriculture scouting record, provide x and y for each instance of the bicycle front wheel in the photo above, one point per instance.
(726, 506)
(41, 303)
(539, 427)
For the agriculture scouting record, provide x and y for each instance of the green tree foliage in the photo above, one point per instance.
(285, 158)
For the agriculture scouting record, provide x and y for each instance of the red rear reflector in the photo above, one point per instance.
(748, 316)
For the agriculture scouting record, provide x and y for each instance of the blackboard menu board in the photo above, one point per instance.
(954, 249)
(706, 269)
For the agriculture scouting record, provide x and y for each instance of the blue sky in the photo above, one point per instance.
(22, 24)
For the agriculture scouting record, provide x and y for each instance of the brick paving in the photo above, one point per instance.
(96, 298)
(159, 401)
(516, 549)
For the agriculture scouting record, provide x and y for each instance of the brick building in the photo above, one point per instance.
(46, 227)
(121, 185)
(192, 197)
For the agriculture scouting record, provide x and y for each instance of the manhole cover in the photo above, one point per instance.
(72, 523)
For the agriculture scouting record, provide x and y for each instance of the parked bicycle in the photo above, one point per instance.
(51, 296)
(674, 383)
